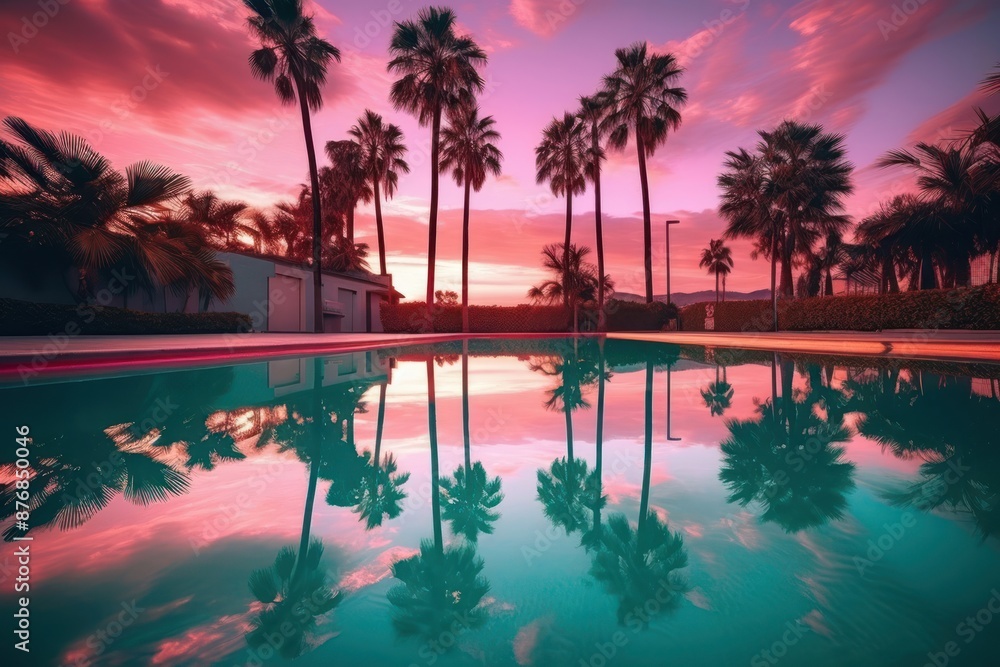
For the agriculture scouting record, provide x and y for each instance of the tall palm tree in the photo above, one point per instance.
(468, 149)
(295, 59)
(64, 207)
(438, 72)
(562, 159)
(644, 99)
(718, 259)
(381, 494)
(382, 150)
(594, 111)
(348, 183)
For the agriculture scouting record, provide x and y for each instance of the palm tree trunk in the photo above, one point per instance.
(569, 434)
(432, 231)
(928, 277)
(465, 407)
(724, 275)
(828, 287)
(599, 438)
(774, 277)
(317, 212)
(314, 465)
(465, 258)
(787, 286)
(566, 242)
(380, 422)
(381, 230)
(647, 461)
(435, 474)
(716, 288)
(350, 225)
(601, 318)
(647, 228)
(993, 263)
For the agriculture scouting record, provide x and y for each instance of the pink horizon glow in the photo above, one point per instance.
(167, 80)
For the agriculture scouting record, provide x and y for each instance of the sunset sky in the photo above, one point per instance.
(167, 80)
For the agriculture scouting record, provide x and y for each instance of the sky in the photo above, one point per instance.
(168, 81)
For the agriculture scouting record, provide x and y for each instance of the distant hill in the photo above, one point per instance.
(687, 298)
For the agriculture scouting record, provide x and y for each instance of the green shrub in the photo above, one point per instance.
(412, 318)
(622, 316)
(24, 318)
(964, 308)
(635, 316)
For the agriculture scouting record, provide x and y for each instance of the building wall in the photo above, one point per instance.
(257, 295)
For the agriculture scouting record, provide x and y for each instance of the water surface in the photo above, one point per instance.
(551, 502)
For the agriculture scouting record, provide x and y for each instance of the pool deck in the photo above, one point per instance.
(22, 357)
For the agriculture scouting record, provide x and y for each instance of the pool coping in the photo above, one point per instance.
(34, 357)
(918, 344)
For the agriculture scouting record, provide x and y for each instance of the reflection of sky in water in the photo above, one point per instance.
(185, 561)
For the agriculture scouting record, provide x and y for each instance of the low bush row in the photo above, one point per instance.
(24, 318)
(621, 316)
(965, 308)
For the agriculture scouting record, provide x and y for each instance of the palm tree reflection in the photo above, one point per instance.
(639, 565)
(718, 396)
(961, 469)
(470, 496)
(291, 603)
(440, 589)
(786, 460)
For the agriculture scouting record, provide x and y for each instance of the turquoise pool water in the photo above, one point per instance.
(551, 502)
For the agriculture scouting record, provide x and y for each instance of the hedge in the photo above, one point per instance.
(25, 318)
(964, 308)
(622, 316)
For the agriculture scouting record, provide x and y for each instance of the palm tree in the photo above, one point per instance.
(562, 160)
(468, 149)
(221, 219)
(786, 195)
(594, 112)
(900, 231)
(290, 605)
(718, 259)
(383, 150)
(644, 101)
(347, 183)
(295, 59)
(438, 72)
(959, 187)
(63, 207)
(576, 279)
(991, 84)
(380, 495)
(595, 498)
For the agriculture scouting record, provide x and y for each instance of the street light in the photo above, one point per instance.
(669, 222)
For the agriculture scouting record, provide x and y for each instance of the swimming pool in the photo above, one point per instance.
(512, 502)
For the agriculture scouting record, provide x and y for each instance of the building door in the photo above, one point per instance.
(346, 298)
(285, 303)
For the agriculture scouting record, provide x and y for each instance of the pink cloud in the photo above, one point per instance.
(544, 17)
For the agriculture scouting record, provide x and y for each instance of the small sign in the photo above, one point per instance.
(710, 317)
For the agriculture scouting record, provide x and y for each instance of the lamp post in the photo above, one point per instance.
(669, 222)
